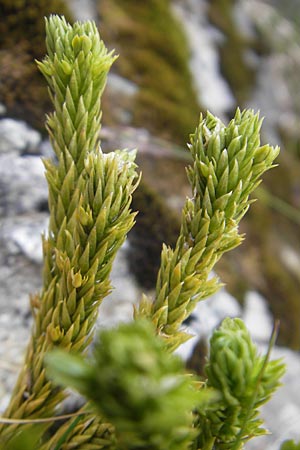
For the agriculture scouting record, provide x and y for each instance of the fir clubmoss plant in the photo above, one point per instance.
(228, 164)
(139, 396)
(89, 201)
(244, 380)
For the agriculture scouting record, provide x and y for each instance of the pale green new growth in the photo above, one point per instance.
(133, 382)
(142, 398)
(228, 164)
(244, 379)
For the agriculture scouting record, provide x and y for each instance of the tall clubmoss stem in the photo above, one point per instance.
(228, 164)
(89, 202)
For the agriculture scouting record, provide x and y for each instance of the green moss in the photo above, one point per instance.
(154, 54)
(291, 140)
(282, 290)
(24, 22)
(160, 115)
(21, 88)
(282, 284)
(22, 40)
(234, 67)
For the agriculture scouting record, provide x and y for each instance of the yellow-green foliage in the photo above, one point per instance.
(154, 54)
(228, 164)
(137, 396)
(290, 445)
(244, 380)
(89, 202)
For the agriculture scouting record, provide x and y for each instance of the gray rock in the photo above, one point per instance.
(121, 92)
(257, 317)
(208, 315)
(118, 306)
(83, 9)
(121, 85)
(47, 150)
(12, 351)
(282, 413)
(2, 109)
(213, 90)
(23, 186)
(290, 259)
(20, 270)
(24, 236)
(16, 136)
(276, 93)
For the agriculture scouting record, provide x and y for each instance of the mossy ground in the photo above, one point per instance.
(22, 40)
(153, 54)
(233, 64)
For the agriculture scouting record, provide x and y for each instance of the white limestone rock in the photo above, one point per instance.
(213, 91)
(282, 413)
(26, 238)
(83, 9)
(207, 316)
(23, 185)
(257, 317)
(17, 136)
(118, 306)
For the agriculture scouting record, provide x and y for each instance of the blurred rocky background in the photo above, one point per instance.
(177, 58)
